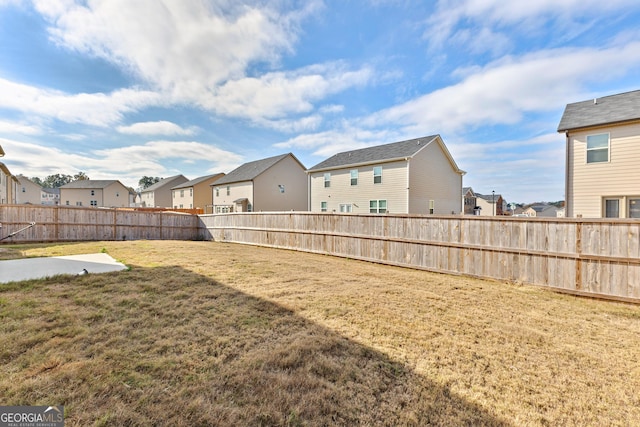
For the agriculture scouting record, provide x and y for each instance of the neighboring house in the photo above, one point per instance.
(50, 196)
(602, 140)
(415, 176)
(159, 195)
(8, 185)
(95, 193)
(276, 183)
(542, 211)
(468, 201)
(195, 194)
(28, 191)
(491, 204)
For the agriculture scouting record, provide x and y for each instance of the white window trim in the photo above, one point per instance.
(587, 149)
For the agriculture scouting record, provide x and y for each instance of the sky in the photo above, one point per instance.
(122, 89)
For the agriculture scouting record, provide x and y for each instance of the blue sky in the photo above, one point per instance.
(119, 89)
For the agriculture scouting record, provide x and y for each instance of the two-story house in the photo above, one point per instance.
(8, 183)
(490, 204)
(95, 193)
(602, 174)
(195, 194)
(28, 191)
(414, 176)
(160, 195)
(273, 184)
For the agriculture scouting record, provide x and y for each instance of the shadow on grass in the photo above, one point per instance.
(165, 346)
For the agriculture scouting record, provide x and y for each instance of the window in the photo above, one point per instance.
(281, 188)
(191, 192)
(217, 192)
(377, 206)
(377, 174)
(24, 190)
(327, 180)
(181, 206)
(634, 208)
(354, 177)
(612, 208)
(228, 190)
(181, 193)
(93, 192)
(345, 208)
(93, 203)
(598, 148)
(323, 206)
(67, 203)
(78, 203)
(432, 206)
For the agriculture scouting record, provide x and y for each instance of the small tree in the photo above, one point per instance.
(148, 181)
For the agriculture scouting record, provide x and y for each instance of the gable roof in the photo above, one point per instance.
(91, 183)
(196, 181)
(163, 182)
(1, 151)
(250, 171)
(489, 197)
(611, 109)
(23, 180)
(376, 154)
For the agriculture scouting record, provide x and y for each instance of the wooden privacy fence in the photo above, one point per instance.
(59, 223)
(582, 256)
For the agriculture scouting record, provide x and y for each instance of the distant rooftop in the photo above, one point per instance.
(611, 109)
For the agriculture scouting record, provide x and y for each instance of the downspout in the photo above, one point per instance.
(568, 212)
(408, 186)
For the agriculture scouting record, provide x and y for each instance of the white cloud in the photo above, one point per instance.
(476, 17)
(180, 46)
(18, 127)
(278, 94)
(96, 109)
(503, 91)
(127, 164)
(156, 128)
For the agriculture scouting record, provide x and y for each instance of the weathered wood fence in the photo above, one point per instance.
(582, 256)
(59, 224)
(595, 257)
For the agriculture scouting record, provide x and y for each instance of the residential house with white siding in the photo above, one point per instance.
(273, 184)
(602, 173)
(417, 176)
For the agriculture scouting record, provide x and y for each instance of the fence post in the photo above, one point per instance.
(579, 256)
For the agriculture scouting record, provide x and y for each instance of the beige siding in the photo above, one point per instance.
(433, 177)
(28, 192)
(287, 172)
(237, 190)
(590, 183)
(202, 197)
(393, 188)
(114, 196)
(182, 197)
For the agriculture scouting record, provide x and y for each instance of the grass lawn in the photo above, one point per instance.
(204, 333)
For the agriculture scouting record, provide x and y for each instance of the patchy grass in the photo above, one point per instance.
(202, 333)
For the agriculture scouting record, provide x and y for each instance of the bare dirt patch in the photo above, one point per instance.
(202, 333)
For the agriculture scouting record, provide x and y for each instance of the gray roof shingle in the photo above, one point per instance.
(606, 110)
(378, 153)
(163, 182)
(251, 170)
(196, 181)
(90, 183)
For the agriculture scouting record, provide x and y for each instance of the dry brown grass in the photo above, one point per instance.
(202, 333)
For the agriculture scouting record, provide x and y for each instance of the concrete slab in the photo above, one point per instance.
(38, 268)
